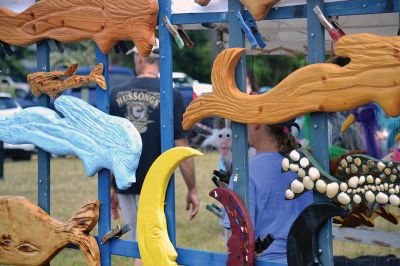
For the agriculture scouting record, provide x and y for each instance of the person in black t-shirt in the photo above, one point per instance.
(139, 102)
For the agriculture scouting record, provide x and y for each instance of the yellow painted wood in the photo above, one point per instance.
(371, 76)
(154, 244)
(106, 22)
(29, 236)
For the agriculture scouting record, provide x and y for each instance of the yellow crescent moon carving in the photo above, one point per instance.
(154, 244)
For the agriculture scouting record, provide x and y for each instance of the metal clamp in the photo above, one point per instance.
(186, 39)
(6, 49)
(250, 29)
(180, 36)
(120, 46)
(214, 209)
(115, 233)
(55, 45)
(262, 244)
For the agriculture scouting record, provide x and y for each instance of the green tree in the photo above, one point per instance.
(12, 65)
(195, 62)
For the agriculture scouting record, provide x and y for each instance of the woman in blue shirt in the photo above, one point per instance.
(268, 209)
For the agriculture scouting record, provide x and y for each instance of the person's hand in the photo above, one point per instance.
(114, 205)
(192, 199)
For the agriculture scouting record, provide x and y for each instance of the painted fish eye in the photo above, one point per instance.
(228, 135)
(220, 135)
(27, 248)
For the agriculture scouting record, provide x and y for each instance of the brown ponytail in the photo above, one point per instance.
(286, 142)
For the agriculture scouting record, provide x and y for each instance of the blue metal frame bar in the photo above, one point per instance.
(43, 64)
(104, 182)
(319, 122)
(346, 8)
(239, 131)
(166, 109)
(1, 160)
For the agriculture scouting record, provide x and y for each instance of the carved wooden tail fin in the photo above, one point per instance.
(96, 75)
(71, 70)
(224, 90)
(85, 219)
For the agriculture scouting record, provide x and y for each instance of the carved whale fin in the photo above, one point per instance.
(96, 75)
(85, 218)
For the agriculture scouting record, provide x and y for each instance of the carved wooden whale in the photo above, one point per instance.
(29, 236)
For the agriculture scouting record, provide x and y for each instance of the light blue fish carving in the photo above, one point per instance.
(98, 139)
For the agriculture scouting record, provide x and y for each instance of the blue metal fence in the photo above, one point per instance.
(318, 121)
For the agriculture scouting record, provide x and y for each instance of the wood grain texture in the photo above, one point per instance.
(106, 22)
(259, 8)
(29, 236)
(371, 76)
(55, 82)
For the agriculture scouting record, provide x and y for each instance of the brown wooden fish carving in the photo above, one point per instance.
(371, 76)
(106, 22)
(55, 82)
(258, 8)
(29, 236)
(202, 2)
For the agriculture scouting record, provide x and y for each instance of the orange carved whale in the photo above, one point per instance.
(371, 76)
(29, 236)
(106, 22)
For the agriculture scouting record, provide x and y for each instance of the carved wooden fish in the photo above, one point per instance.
(358, 179)
(258, 8)
(106, 22)
(54, 83)
(29, 236)
(371, 76)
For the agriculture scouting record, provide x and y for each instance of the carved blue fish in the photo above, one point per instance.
(98, 139)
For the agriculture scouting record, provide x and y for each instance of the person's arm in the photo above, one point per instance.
(114, 200)
(188, 173)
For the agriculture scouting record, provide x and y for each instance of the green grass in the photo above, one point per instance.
(71, 188)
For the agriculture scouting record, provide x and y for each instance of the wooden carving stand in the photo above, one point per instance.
(29, 236)
(371, 76)
(106, 22)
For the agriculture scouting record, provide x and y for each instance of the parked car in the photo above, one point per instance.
(189, 88)
(18, 88)
(117, 76)
(13, 82)
(8, 107)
